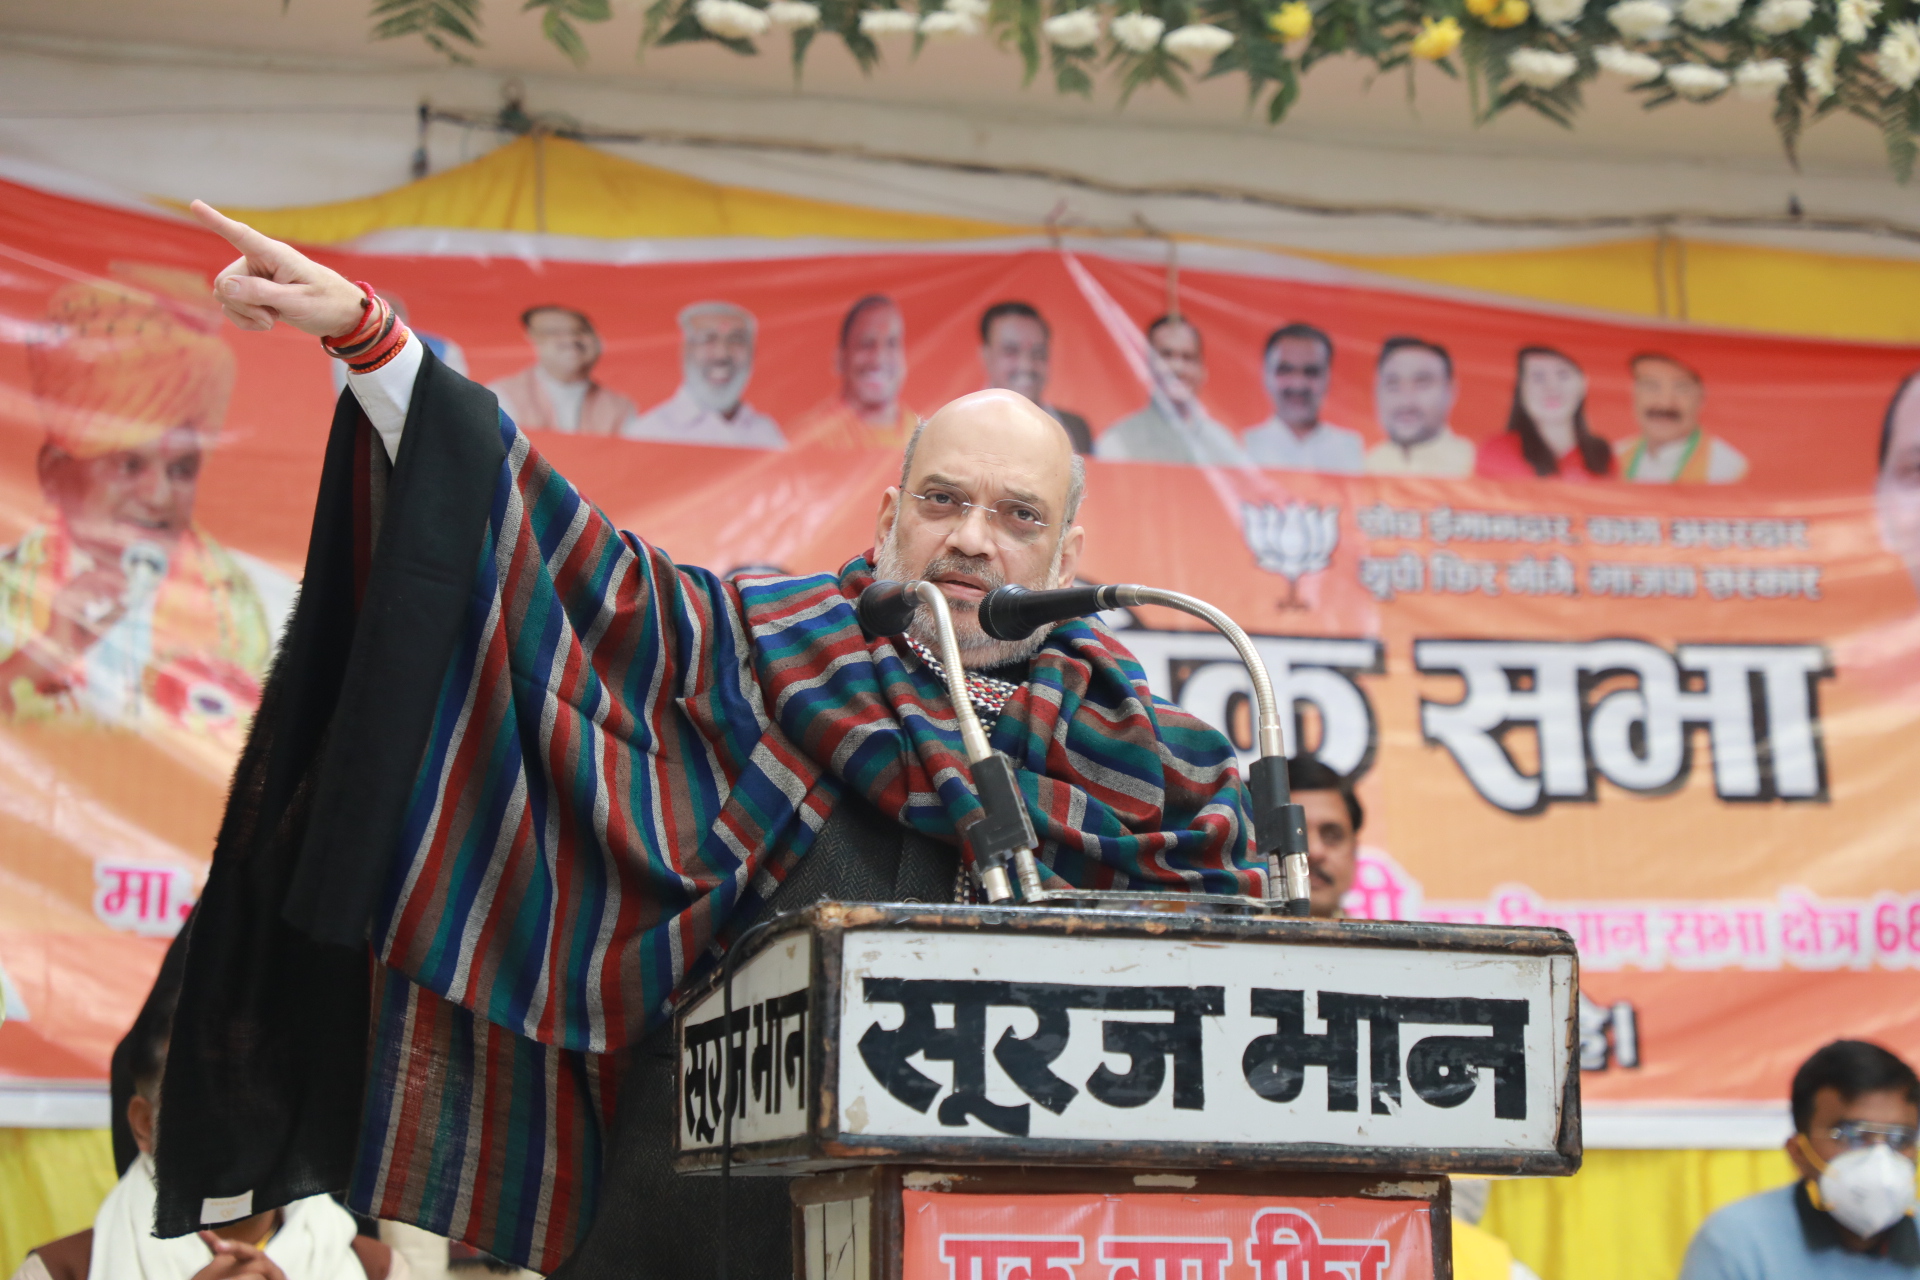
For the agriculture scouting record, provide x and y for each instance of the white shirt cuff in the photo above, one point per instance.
(387, 391)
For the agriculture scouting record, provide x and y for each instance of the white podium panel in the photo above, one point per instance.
(870, 1034)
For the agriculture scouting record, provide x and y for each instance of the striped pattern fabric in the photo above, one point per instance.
(628, 757)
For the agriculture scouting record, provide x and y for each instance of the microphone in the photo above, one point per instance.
(887, 608)
(1279, 825)
(1014, 613)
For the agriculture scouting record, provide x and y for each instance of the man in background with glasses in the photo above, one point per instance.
(1856, 1113)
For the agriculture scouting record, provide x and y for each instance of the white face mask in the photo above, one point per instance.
(1869, 1189)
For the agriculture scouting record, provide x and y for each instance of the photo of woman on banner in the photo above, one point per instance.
(121, 610)
(1547, 433)
(1896, 494)
(1672, 447)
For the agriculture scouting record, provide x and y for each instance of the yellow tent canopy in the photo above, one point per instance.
(548, 184)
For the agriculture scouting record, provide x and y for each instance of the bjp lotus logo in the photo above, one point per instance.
(1292, 541)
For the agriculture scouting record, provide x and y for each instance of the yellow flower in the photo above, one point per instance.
(1291, 20)
(1481, 8)
(1436, 39)
(1511, 13)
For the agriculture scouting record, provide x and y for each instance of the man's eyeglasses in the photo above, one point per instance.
(1015, 523)
(1855, 1134)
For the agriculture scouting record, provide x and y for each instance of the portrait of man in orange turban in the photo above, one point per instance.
(120, 609)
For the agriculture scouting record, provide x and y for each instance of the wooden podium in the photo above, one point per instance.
(985, 1093)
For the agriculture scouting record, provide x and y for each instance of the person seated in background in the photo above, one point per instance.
(1547, 433)
(311, 1239)
(1856, 1111)
(1672, 447)
(1016, 350)
(1334, 816)
(1413, 395)
(871, 363)
(557, 391)
(1173, 426)
(1297, 369)
(716, 362)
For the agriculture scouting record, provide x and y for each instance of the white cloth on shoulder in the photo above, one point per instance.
(314, 1242)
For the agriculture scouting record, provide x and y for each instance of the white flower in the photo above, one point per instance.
(792, 15)
(975, 9)
(944, 24)
(1197, 40)
(1623, 61)
(1705, 15)
(1777, 17)
(1762, 78)
(1819, 69)
(1541, 68)
(1856, 19)
(1899, 56)
(1079, 29)
(731, 19)
(1558, 13)
(1138, 32)
(887, 22)
(1641, 19)
(1691, 80)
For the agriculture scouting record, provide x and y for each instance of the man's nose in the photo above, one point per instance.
(973, 536)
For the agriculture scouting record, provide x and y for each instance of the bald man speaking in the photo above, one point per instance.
(517, 776)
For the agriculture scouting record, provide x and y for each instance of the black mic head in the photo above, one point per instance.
(1001, 615)
(887, 608)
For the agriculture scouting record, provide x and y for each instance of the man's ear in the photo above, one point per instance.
(889, 512)
(140, 1117)
(1070, 556)
(1797, 1152)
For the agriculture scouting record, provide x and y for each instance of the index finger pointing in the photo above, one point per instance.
(238, 234)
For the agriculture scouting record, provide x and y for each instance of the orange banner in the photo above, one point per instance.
(1615, 624)
(1163, 1237)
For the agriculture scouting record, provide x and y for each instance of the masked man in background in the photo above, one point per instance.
(121, 610)
(1856, 1110)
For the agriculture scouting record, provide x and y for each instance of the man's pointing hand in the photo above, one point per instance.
(271, 281)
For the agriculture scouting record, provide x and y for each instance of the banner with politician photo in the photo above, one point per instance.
(1615, 624)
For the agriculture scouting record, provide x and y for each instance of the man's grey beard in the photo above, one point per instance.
(978, 650)
(724, 398)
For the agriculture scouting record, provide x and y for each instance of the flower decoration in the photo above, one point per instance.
(886, 22)
(1138, 32)
(1641, 19)
(1762, 78)
(1197, 40)
(1811, 58)
(1820, 70)
(1292, 20)
(1622, 61)
(1437, 39)
(1542, 68)
(1777, 17)
(1559, 13)
(1854, 19)
(1076, 29)
(945, 24)
(731, 19)
(1899, 54)
(1696, 81)
(793, 15)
